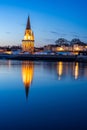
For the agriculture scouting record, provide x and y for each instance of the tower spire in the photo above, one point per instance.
(28, 41)
(28, 24)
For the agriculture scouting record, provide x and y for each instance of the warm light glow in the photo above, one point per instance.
(28, 41)
(28, 37)
(61, 49)
(60, 69)
(24, 37)
(76, 70)
(75, 53)
(77, 48)
(27, 73)
(8, 52)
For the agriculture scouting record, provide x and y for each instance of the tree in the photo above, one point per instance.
(62, 41)
(77, 41)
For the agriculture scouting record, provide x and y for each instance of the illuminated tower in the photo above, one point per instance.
(27, 75)
(28, 41)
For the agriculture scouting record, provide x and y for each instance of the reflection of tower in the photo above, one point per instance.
(28, 41)
(60, 69)
(27, 75)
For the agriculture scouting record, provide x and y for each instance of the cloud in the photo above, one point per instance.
(8, 32)
(58, 33)
(76, 36)
(73, 33)
(49, 40)
(53, 32)
(79, 36)
(84, 37)
(63, 34)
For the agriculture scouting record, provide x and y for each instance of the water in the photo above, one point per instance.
(43, 95)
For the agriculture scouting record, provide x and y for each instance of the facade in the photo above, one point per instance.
(28, 41)
(74, 49)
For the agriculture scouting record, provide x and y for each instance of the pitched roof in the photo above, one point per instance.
(28, 26)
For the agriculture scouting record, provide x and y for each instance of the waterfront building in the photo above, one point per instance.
(28, 41)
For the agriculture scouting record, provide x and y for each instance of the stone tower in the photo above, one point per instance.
(28, 41)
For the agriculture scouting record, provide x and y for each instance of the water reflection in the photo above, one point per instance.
(60, 69)
(76, 70)
(27, 75)
(46, 89)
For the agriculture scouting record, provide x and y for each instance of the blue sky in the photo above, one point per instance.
(50, 20)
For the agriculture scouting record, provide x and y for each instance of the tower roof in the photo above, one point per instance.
(28, 26)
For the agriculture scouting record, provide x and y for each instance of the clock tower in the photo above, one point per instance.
(28, 41)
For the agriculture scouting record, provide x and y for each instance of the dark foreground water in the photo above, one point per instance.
(43, 95)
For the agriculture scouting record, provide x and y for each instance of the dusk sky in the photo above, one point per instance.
(50, 20)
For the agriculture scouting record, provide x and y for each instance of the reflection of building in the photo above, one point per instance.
(27, 74)
(60, 69)
(64, 69)
(76, 70)
(28, 42)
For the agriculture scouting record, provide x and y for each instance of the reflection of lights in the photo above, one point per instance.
(8, 52)
(76, 70)
(60, 69)
(27, 74)
(9, 63)
(75, 53)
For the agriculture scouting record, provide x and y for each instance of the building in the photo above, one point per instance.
(28, 41)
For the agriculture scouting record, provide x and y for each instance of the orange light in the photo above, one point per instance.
(76, 70)
(60, 69)
(27, 73)
(8, 52)
(61, 49)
